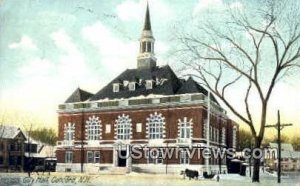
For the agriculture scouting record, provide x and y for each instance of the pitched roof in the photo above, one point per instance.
(9, 132)
(165, 82)
(79, 95)
(169, 83)
(191, 86)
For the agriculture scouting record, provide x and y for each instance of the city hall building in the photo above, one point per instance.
(147, 107)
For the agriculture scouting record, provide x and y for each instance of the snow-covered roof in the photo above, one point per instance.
(48, 151)
(9, 131)
(33, 155)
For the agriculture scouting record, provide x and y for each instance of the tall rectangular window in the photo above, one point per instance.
(144, 47)
(90, 157)
(68, 157)
(116, 87)
(131, 86)
(148, 46)
(184, 157)
(69, 131)
(234, 137)
(211, 133)
(149, 84)
(155, 156)
(223, 135)
(185, 128)
(97, 157)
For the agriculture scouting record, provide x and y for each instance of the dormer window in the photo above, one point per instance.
(149, 84)
(125, 83)
(116, 87)
(131, 86)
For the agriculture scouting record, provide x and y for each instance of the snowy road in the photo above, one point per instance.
(133, 179)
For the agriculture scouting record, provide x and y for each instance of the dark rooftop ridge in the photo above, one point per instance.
(79, 95)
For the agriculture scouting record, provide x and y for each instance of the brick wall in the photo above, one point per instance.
(138, 116)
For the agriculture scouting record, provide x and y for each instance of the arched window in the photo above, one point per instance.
(156, 126)
(93, 128)
(123, 127)
(69, 131)
(185, 128)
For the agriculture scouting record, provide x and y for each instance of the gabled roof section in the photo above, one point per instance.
(191, 86)
(165, 82)
(79, 95)
(9, 132)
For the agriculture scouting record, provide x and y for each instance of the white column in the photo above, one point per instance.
(115, 158)
(208, 132)
(128, 161)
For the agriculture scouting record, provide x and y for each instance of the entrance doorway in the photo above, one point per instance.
(122, 158)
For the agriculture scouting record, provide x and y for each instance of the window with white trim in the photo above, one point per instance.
(223, 135)
(97, 157)
(68, 157)
(69, 131)
(116, 87)
(210, 133)
(234, 137)
(125, 83)
(123, 126)
(155, 156)
(93, 128)
(156, 126)
(205, 129)
(90, 157)
(215, 134)
(184, 157)
(149, 84)
(131, 86)
(185, 128)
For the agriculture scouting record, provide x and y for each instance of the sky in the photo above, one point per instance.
(48, 48)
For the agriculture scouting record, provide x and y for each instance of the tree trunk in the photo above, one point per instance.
(256, 161)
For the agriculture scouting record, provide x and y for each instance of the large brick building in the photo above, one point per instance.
(148, 107)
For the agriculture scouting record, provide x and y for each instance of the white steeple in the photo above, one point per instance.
(146, 58)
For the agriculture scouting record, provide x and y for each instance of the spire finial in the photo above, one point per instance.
(147, 25)
(146, 57)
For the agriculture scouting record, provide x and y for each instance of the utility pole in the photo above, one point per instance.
(279, 127)
(250, 160)
(82, 142)
(208, 132)
(219, 141)
(167, 149)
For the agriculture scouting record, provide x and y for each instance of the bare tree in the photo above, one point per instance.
(252, 50)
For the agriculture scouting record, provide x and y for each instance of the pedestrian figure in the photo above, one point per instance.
(218, 178)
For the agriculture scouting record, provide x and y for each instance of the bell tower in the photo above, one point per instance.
(146, 58)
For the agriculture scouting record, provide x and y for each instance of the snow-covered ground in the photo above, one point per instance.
(134, 179)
